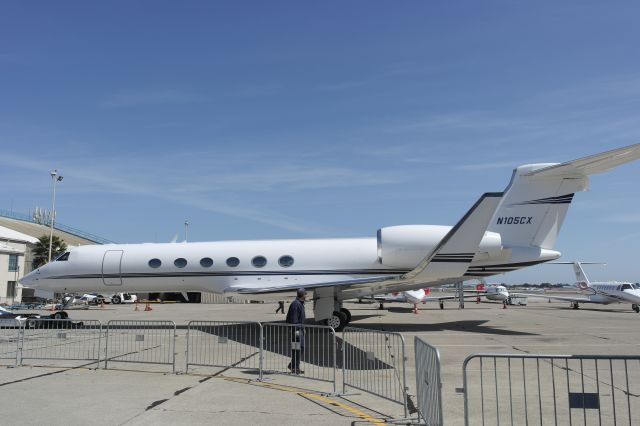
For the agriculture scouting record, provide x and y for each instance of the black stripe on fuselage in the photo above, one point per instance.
(235, 273)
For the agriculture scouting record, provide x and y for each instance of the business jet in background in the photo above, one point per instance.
(412, 297)
(492, 292)
(602, 293)
(501, 232)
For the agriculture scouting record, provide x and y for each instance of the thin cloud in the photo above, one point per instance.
(625, 218)
(150, 97)
(218, 186)
(490, 166)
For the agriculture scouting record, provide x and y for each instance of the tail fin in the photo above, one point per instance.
(581, 277)
(536, 201)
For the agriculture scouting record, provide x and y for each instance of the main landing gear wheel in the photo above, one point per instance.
(337, 321)
(636, 308)
(575, 305)
(347, 313)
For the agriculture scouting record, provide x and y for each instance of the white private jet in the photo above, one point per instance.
(493, 292)
(603, 293)
(501, 232)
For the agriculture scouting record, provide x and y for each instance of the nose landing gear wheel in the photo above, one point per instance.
(337, 321)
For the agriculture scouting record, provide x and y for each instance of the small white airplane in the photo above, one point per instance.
(501, 232)
(603, 293)
(493, 292)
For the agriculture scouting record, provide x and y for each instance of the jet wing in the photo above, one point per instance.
(447, 262)
(593, 164)
(567, 298)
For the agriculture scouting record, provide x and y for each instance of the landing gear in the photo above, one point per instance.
(575, 305)
(381, 307)
(636, 308)
(441, 304)
(337, 321)
(328, 310)
(347, 313)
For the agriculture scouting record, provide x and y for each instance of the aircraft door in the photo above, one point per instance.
(111, 268)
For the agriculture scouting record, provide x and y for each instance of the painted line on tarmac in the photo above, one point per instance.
(310, 395)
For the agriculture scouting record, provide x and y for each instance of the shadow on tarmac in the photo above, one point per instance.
(471, 326)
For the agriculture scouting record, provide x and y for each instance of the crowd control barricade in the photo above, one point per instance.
(10, 340)
(313, 345)
(375, 362)
(140, 342)
(225, 344)
(61, 342)
(428, 383)
(551, 389)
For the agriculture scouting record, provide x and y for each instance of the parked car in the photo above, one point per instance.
(118, 298)
(10, 319)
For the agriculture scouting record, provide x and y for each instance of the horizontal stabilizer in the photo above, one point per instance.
(592, 164)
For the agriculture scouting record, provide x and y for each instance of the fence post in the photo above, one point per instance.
(20, 342)
(260, 353)
(174, 347)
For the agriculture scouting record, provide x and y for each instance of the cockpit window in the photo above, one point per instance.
(626, 287)
(63, 257)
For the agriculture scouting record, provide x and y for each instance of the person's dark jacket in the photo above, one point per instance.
(296, 315)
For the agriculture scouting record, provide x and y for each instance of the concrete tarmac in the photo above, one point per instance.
(77, 396)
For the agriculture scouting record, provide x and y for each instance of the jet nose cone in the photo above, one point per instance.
(31, 279)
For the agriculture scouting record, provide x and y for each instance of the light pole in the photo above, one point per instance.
(56, 178)
(186, 230)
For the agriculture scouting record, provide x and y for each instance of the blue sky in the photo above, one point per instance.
(302, 119)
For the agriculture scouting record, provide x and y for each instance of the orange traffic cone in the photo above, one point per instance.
(477, 299)
(504, 305)
(136, 308)
(147, 307)
(101, 304)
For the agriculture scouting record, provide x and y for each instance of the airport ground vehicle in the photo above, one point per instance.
(117, 298)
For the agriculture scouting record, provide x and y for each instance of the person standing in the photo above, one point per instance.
(296, 315)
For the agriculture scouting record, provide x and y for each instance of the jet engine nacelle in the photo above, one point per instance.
(406, 245)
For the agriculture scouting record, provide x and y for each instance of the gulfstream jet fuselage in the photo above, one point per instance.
(501, 232)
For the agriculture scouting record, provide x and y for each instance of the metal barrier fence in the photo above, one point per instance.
(141, 342)
(61, 340)
(551, 389)
(428, 383)
(311, 347)
(225, 344)
(375, 362)
(10, 337)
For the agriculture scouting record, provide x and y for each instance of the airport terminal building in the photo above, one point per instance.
(19, 235)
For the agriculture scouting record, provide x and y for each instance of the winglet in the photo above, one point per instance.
(452, 256)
